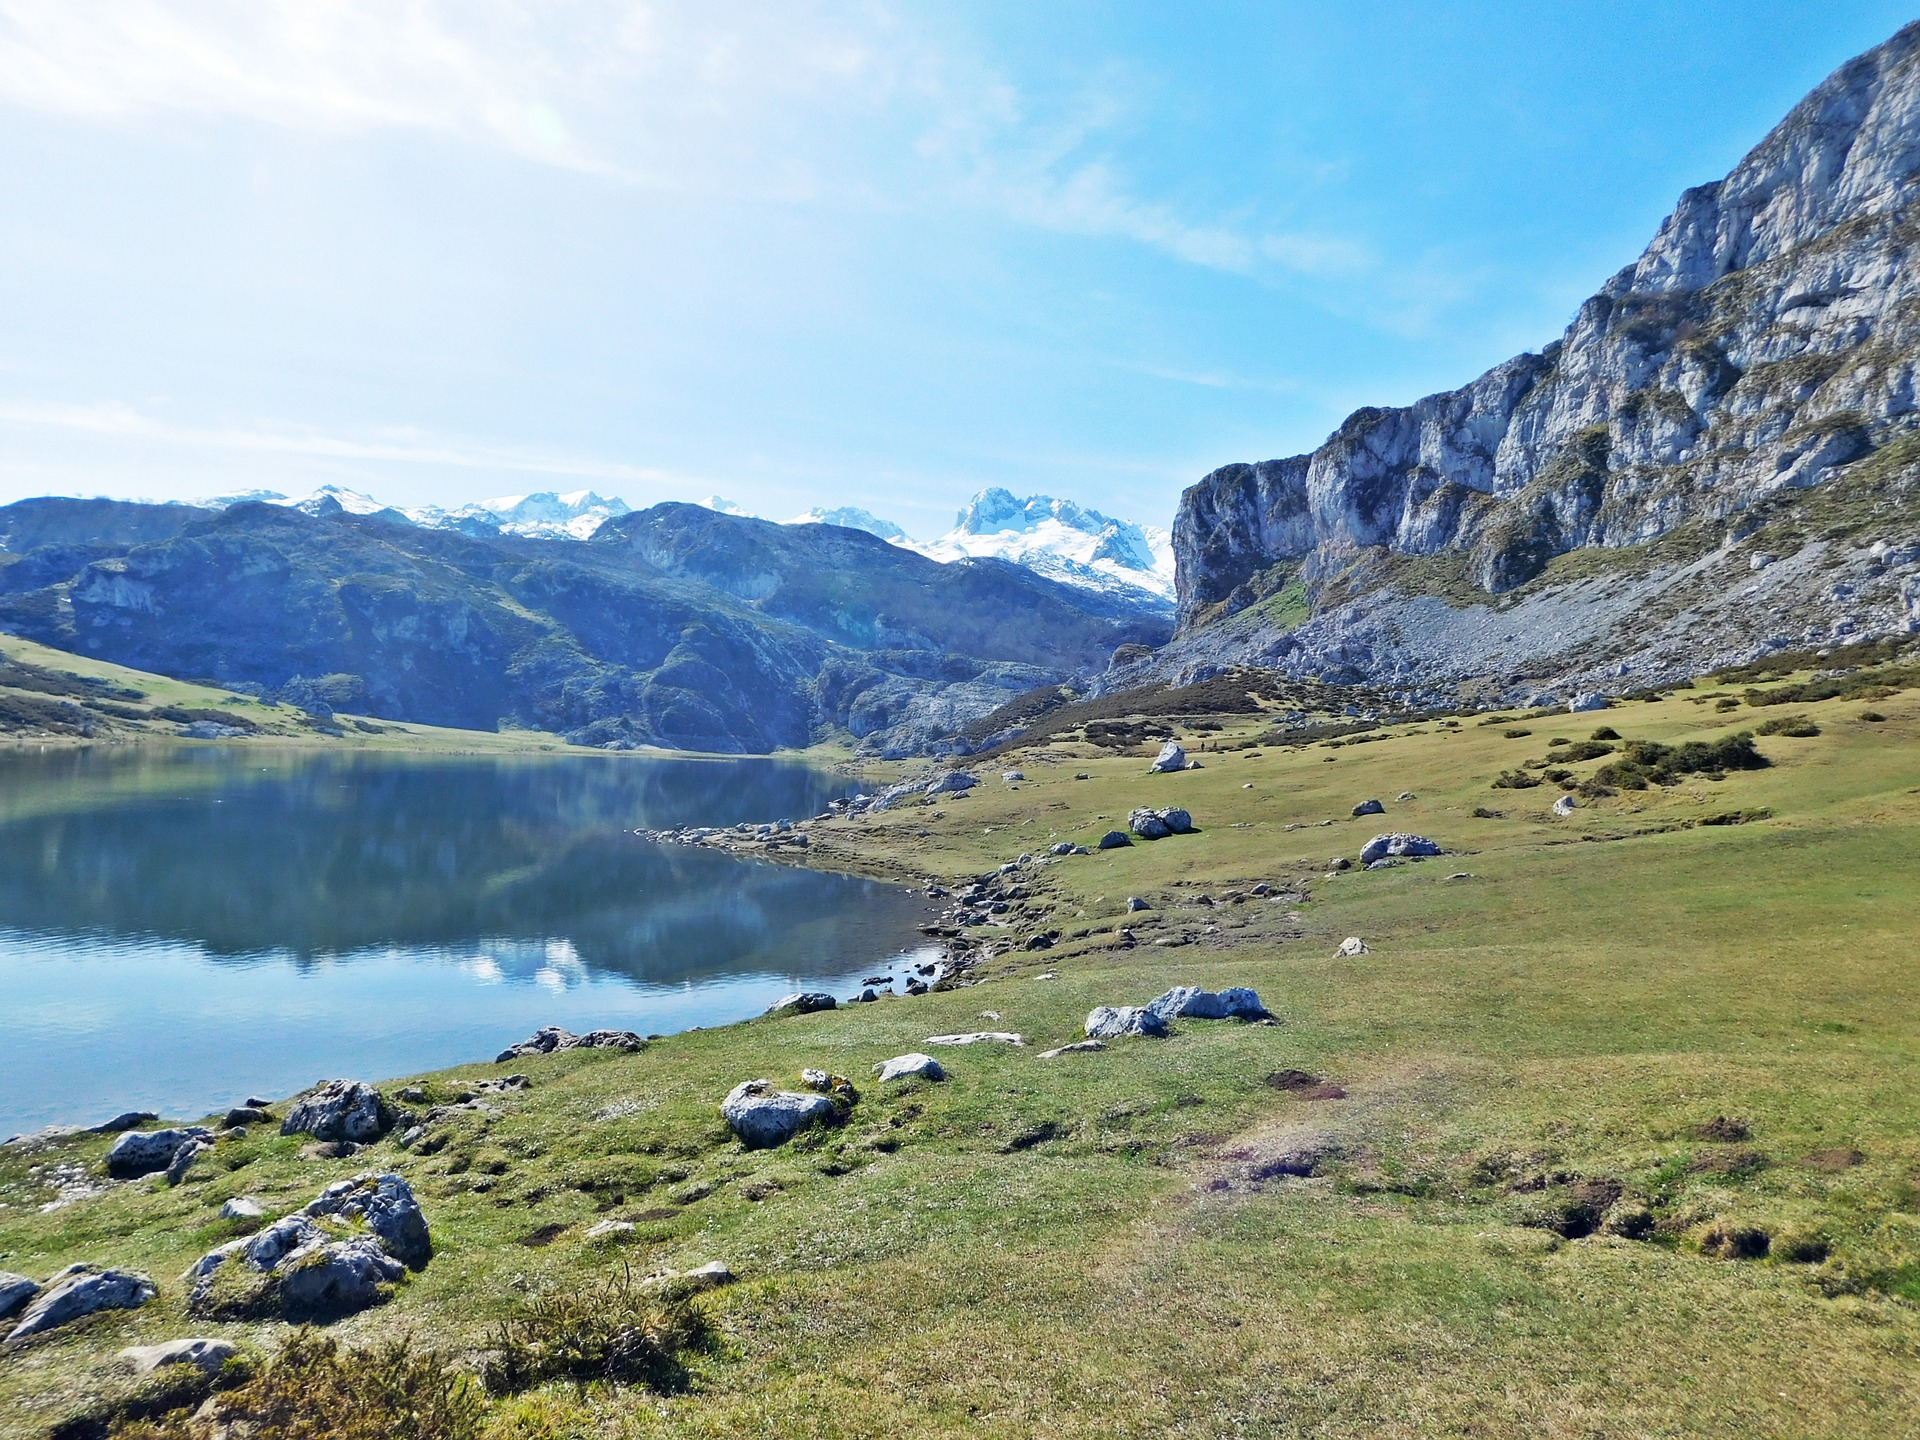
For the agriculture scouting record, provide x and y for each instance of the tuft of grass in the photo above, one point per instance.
(613, 1328)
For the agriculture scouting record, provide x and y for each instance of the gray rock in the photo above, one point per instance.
(550, 1038)
(148, 1152)
(338, 1110)
(1192, 1003)
(1148, 825)
(1111, 1022)
(1340, 862)
(912, 1066)
(611, 1230)
(247, 1115)
(1591, 700)
(1350, 947)
(1404, 796)
(1178, 821)
(125, 1120)
(387, 1205)
(764, 1117)
(1136, 904)
(1369, 807)
(1565, 805)
(15, 1292)
(805, 1002)
(1397, 846)
(340, 1275)
(1383, 865)
(79, 1291)
(951, 783)
(1079, 1047)
(183, 1159)
(1012, 775)
(242, 1207)
(206, 1354)
(1114, 839)
(978, 1037)
(708, 1276)
(1171, 758)
(1064, 847)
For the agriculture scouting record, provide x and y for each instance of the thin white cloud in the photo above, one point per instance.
(406, 447)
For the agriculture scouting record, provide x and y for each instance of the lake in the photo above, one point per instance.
(180, 927)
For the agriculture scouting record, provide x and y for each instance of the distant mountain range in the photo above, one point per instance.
(1055, 538)
(676, 626)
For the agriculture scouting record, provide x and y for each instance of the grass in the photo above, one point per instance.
(1597, 1008)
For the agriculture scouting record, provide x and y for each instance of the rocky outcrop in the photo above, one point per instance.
(1765, 343)
(148, 1152)
(339, 1110)
(763, 1117)
(551, 1038)
(79, 1291)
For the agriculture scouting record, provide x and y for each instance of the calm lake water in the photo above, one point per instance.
(181, 927)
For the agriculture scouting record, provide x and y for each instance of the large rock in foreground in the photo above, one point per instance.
(1190, 1002)
(1110, 1022)
(764, 1117)
(1382, 847)
(339, 1110)
(82, 1290)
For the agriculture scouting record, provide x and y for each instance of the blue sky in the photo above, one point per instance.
(798, 254)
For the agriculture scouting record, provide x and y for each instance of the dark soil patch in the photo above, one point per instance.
(545, 1235)
(1034, 1135)
(1304, 1085)
(1736, 1242)
(1729, 1163)
(1723, 1129)
(759, 1189)
(1844, 1158)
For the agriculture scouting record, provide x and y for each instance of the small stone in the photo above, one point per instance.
(1564, 806)
(1113, 840)
(708, 1276)
(183, 1159)
(1065, 847)
(412, 1136)
(611, 1230)
(247, 1115)
(1339, 862)
(1404, 796)
(412, 1094)
(1350, 947)
(1012, 775)
(912, 1066)
(242, 1207)
(1395, 846)
(1369, 807)
(203, 1354)
(125, 1120)
(1135, 903)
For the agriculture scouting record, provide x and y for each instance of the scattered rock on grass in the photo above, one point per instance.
(79, 1291)
(1135, 903)
(1111, 1022)
(611, 1230)
(914, 1066)
(1368, 807)
(1396, 845)
(242, 1207)
(1590, 700)
(951, 783)
(1079, 1047)
(202, 1353)
(1192, 1003)
(1564, 806)
(148, 1152)
(764, 1117)
(549, 1038)
(125, 1120)
(1147, 824)
(1113, 840)
(978, 1037)
(804, 1002)
(1170, 758)
(387, 1206)
(339, 1110)
(1351, 946)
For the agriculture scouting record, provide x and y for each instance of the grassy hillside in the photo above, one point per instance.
(1687, 1015)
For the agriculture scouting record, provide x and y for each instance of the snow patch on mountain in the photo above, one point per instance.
(543, 516)
(1063, 541)
(852, 517)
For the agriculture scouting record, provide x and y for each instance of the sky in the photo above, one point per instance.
(802, 254)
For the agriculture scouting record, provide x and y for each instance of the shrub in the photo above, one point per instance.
(1515, 780)
(1872, 716)
(1584, 750)
(1480, 812)
(1517, 733)
(614, 1328)
(1649, 760)
(1726, 702)
(315, 1390)
(1605, 732)
(1797, 727)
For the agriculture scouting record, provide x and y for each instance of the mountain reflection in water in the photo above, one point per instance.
(443, 902)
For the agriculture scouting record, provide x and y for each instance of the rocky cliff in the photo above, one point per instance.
(1612, 506)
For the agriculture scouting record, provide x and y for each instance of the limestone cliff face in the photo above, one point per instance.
(1766, 340)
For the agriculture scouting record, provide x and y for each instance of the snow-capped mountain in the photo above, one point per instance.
(1059, 539)
(543, 516)
(1063, 541)
(853, 518)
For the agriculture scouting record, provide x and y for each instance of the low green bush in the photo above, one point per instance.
(1645, 762)
(616, 1328)
(1797, 727)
